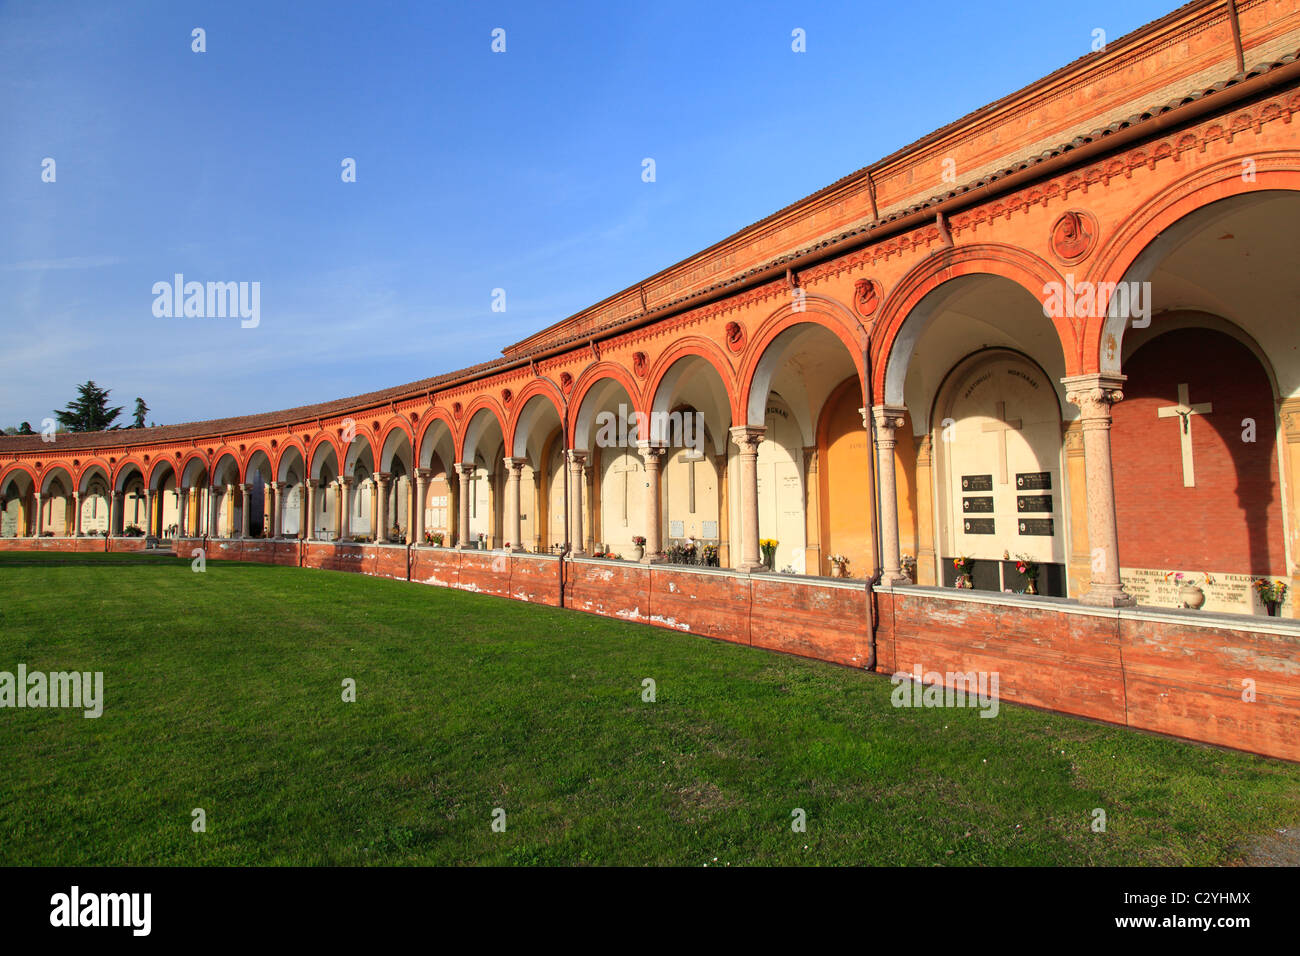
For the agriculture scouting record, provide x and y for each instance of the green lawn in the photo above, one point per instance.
(223, 691)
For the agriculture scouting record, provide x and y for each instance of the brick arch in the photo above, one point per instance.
(290, 441)
(1275, 171)
(435, 414)
(198, 456)
(394, 423)
(222, 452)
(591, 375)
(265, 449)
(691, 345)
(819, 311)
(96, 462)
(7, 472)
(482, 403)
(158, 462)
(120, 471)
(48, 472)
(542, 387)
(324, 438)
(1027, 270)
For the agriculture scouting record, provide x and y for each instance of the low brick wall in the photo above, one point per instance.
(1212, 678)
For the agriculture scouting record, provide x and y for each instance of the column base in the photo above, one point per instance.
(517, 549)
(889, 579)
(1108, 597)
(652, 559)
(749, 567)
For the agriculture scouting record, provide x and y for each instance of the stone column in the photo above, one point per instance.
(463, 473)
(76, 512)
(40, 515)
(514, 523)
(148, 510)
(576, 458)
(345, 508)
(114, 512)
(243, 511)
(381, 507)
(653, 456)
(182, 500)
(417, 509)
(888, 421)
(309, 513)
(302, 509)
(1095, 394)
(277, 508)
(747, 439)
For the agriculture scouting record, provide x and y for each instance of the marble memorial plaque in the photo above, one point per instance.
(1034, 503)
(978, 526)
(676, 529)
(710, 529)
(1043, 527)
(979, 505)
(976, 482)
(1034, 479)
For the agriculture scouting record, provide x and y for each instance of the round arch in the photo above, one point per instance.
(1164, 221)
(582, 412)
(906, 312)
(529, 407)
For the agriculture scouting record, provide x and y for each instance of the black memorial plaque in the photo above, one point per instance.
(1034, 503)
(1034, 480)
(976, 482)
(1042, 527)
(978, 526)
(977, 505)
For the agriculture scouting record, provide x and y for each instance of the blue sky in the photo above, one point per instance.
(475, 170)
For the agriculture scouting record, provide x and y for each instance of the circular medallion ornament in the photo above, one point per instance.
(735, 333)
(866, 297)
(1074, 235)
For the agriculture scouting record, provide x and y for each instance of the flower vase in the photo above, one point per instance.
(638, 552)
(1032, 586)
(964, 582)
(1193, 597)
(1273, 607)
(837, 569)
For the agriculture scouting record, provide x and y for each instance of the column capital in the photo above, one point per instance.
(651, 451)
(382, 477)
(1094, 393)
(345, 481)
(576, 456)
(423, 474)
(277, 486)
(515, 464)
(465, 468)
(748, 437)
(887, 417)
(76, 496)
(243, 486)
(312, 483)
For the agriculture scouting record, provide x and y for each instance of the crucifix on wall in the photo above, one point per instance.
(1001, 427)
(629, 465)
(691, 459)
(1184, 411)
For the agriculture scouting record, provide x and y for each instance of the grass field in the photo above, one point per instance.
(223, 691)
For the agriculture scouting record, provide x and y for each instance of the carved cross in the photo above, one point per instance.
(629, 466)
(1185, 412)
(1001, 427)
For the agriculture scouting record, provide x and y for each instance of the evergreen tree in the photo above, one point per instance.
(141, 410)
(89, 412)
(25, 429)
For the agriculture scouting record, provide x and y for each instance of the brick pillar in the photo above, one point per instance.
(463, 473)
(748, 438)
(888, 421)
(576, 458)
(381, 516)
(421, 496)
(653, 455)
(1095, 394)
(244, 515)
(514, 527)
(309, 513)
